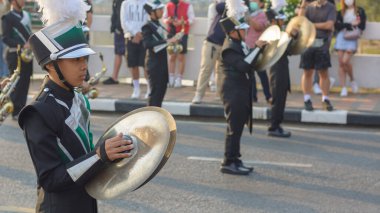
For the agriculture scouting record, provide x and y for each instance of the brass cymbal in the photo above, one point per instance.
(282, 46)
(271, 35)
(306, 34)
(155, 130)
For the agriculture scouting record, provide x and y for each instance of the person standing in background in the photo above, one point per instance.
(258, 22)
(132, 18)
(119, 42)
(17, 28)
(4, 72)
(348, 18)
(211, 55)
(157, 59)
(323, 15)
(178, 14)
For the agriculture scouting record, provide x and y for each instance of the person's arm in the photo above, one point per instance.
(236, 60)
(124, 19)
(52, 174)
(190, 14)
(211, 13)
(329, 24)
(149, 40)
(7, 31)
(89, 14)
(302, 8)
(363, 19)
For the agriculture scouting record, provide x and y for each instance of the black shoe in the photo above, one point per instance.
(309, 105)
(234, 169)
(110, 81)
(327, 105)
(240, 163)
(278, 132)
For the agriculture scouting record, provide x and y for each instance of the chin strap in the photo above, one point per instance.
(60, 75)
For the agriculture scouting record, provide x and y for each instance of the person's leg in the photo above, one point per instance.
(181, 61)
(172, 67)
(235, 97)
(347, 61)
(265, 84)
(116, 67)
(280, 85)
(323, 62)
(342, 73)
(207, 63)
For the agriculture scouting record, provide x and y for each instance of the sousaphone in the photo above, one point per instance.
(267, 58)
(153, 130)
(306, 34)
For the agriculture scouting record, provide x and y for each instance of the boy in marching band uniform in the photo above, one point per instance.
(238, 63)
(56, 124)
(157, 63)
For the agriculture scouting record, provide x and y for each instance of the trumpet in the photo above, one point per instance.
(88, 89)
(175, 47)
(6, 105)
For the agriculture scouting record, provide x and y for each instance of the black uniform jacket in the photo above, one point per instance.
(153, 36)
(56, 129)
(16, 28)
(238, 75)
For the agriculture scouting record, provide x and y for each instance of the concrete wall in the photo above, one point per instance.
(366, 67)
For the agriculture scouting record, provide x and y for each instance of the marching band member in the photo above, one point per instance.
(56, 124)
(157, 65)
(238, 63)
(16, 26)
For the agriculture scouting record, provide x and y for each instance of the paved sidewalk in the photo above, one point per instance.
(355, 109)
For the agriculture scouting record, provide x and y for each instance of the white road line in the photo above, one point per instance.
(267, 163)
(15, 209)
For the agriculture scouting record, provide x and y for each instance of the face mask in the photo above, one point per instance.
(253, 6)
(349, 2)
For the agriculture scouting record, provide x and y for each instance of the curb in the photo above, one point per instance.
(341, 117)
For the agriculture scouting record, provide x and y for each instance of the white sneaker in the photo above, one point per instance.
(135, 94)
(197, 99)
(171, 81)
(343, 93)
(354, 87)
(332, 82)
(178, 83)
(317, 90)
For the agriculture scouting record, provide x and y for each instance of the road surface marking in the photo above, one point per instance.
(268, 163)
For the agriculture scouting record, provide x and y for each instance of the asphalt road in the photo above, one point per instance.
(318, 169)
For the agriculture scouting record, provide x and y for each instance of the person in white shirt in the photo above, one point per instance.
(132, 18)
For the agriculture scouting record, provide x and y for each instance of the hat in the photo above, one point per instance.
(230, 23)
(235, 19)
(63, 36)
(154, 5)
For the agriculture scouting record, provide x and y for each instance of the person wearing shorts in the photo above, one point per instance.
(133, 17)
(178, 16)
(118, 40)
(323, 15)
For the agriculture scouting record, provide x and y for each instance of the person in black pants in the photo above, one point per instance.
(157, 62)
(280, 85)
(16, 26)
(237, 63)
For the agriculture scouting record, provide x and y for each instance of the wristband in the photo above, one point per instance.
(103, 153)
